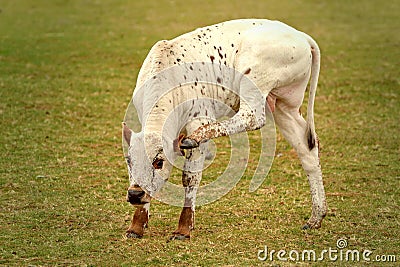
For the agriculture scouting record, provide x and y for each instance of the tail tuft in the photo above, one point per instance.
(310, 139)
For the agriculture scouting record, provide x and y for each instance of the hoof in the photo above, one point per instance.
(179, 237)
(188, 144)
(312, 225)
(133, 235)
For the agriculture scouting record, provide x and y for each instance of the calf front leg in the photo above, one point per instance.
(139, 222)
(191, 177)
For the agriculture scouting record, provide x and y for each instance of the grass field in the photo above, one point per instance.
(67, 71)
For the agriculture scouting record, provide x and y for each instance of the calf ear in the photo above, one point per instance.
(177, 145)
(126, 132)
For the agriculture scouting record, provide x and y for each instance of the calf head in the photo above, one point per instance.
(148, 166)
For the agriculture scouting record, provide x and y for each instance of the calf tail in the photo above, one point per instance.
(315, 67)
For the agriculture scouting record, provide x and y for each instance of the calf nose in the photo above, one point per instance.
(135, 196)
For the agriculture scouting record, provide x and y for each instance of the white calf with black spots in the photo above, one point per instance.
(279, 60)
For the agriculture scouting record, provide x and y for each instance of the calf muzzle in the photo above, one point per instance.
(136, 196)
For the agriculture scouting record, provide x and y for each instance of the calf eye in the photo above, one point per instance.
(158, 163)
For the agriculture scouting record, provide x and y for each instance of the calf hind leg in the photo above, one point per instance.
(248, 118)
(294, 129)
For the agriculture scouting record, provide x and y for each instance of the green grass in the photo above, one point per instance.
(67, 71)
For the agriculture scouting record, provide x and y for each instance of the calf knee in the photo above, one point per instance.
(190, 178)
